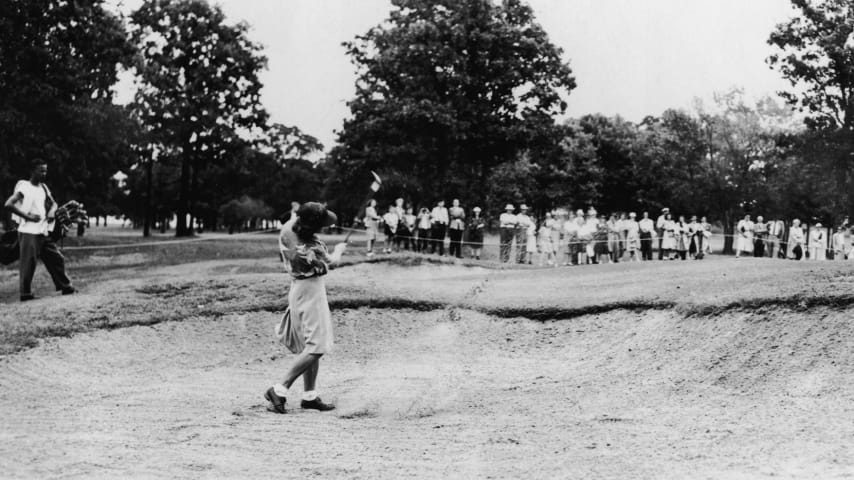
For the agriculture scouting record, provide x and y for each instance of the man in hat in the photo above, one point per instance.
(507, 230)
(659, 230)
(439, 227)
(523, 223)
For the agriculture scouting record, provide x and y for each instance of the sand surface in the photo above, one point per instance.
(445, 393)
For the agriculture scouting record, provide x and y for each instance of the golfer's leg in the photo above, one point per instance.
(309, 377)
(303, 362)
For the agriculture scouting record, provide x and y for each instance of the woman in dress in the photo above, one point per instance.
(306, 326)
(668, 243)
(372, 223)
(682, 237)
(544, 238)
(531, 240)
(476, 227)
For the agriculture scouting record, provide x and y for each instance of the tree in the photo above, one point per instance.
(59, 61)
(817, 57)
(199, 89)
(743, 150)
(447, 90)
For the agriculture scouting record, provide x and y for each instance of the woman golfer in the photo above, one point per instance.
(306, 327)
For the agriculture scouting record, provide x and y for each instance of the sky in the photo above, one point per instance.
(631, 58)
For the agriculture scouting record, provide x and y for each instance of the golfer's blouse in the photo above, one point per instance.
(302, 259)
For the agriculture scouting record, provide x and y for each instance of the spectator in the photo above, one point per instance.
(668, 242)
(647, 229)
(476, 227)
(507, 230)
(659, 230)
(614, 227)
(523, 223)
(796, 240)
(840, 244)
(682, 237)
(633, 241)
(817, 243)
(372, 222)
(391, 221)
(546, 244)
(456, 229)
(760, 236)
(423, 221)
(744, 236)
(570, 235)
(776, 230)
(601, 249)
(407, 234)
(439, 227)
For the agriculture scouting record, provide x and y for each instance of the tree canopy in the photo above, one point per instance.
(447, 90)
(58, 62)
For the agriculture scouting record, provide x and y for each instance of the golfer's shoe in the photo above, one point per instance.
(317, 404)
(278, 403)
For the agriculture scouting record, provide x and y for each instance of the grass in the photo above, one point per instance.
(146, 285)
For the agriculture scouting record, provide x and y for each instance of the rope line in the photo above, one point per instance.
(165, 242)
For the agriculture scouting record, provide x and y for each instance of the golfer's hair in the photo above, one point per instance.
(306, 233)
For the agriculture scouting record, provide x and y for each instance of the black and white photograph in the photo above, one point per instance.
(439, 239)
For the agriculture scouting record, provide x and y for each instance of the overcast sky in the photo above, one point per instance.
(632, 58)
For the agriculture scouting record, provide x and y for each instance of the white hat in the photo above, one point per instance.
(523, 207)
(633, 214)
(509, 206)
(818, 225)
(665, 210)
(475, 209)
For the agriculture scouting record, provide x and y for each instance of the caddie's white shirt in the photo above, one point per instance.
(33, 203)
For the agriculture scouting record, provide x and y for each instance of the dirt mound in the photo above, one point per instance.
(443, 394)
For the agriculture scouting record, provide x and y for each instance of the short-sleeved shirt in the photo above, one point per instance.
(34, 202)
(302, 259)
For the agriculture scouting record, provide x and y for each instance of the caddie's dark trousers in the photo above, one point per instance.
(33, 248)
(439, 230)
(506, 240)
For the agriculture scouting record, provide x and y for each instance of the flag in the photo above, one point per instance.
(375, 185)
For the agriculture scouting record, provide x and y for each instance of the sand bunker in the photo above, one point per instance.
(443, 394)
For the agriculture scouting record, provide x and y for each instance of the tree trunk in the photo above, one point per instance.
(729, 232)
(146, 226)
(181, 229)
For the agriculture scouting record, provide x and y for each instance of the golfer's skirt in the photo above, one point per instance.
(307, 323)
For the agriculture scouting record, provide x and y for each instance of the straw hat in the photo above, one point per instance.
(509, 206)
